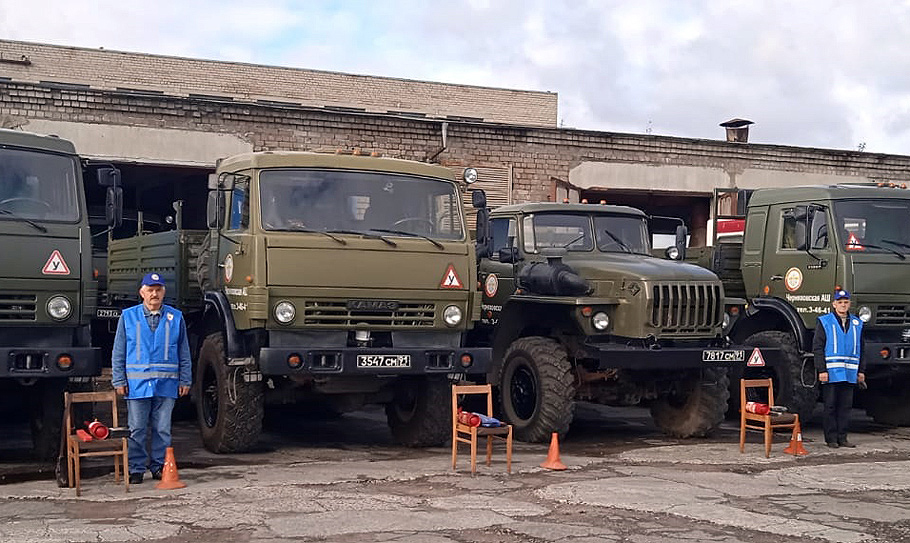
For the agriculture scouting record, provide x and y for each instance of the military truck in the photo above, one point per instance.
(47, 291)
(798, 245)
(334, 280)
(575, 307)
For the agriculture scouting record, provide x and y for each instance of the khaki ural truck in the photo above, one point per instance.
(575, 307)
(329, 280)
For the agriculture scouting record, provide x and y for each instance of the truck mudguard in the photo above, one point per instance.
(217, 302)
(790, 316)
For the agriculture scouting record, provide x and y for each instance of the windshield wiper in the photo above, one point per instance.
(889, 249)
(409, 234)
(39, 227)
(292, 228)
(898, 243)
(365, 234)
(617, 240)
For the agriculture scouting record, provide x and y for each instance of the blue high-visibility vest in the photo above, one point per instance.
(842, 349)
(152, 358)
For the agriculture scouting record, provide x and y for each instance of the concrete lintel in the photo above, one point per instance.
(144, 145)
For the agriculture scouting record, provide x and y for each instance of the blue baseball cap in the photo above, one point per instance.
(841, 294)
(152, 279)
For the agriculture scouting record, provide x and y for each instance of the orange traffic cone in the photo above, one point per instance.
(796, 442)
(553, 462)
(169, 478)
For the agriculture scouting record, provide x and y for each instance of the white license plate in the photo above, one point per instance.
(107, 313)
(723, 355)
(383, 361)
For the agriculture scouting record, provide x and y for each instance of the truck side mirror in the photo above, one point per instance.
(108, 176)
(214, 210)
(113, 206)
(478, 199)
(680, 242)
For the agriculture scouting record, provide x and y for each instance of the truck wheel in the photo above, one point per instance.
(537, 388)
(229, 409)
(46, 417)
(697, 406)
(889, 406)
(790, 381)
(420, 414)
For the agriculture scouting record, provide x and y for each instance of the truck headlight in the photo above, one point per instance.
(726, 320)
(600, 321)
(59, 308)
(285, 312)
(451, 315)
(865, 314)
(469, 175)
(672, 253)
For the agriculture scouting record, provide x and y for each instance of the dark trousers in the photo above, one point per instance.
(838, 402)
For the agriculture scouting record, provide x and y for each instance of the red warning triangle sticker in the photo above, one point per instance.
(853, 243)
(450, 279)
(756, 358)
(55, 265)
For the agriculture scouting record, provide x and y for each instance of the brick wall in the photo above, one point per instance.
(537, 156)
(152, 74)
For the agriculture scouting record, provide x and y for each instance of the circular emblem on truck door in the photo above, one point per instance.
(228, 268)
(491, 285)
(793, 279)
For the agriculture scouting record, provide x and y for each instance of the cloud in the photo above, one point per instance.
(814, 73)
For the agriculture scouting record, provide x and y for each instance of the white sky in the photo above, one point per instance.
(813, 73)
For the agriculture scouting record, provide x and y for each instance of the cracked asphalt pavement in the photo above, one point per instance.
(343, 480)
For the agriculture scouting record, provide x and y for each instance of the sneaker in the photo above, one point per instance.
(136, 478)
(847, 444)
(833, 445)
(156, 474)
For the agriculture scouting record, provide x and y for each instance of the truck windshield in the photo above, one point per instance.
(359, 201)
(873, 226)
(573, 232)
(38, 186)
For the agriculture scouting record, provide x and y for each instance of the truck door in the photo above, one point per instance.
(802, 275)
(497, 272)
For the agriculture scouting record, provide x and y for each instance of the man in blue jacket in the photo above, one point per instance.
(151, 367)
(838, 348)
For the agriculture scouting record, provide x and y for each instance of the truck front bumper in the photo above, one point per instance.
(615, 356)
(26, 362)
(898, 354)
(353, 361)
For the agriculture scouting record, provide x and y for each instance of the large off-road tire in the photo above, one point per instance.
(45, 411)
(537, 389)
(229, 409)
(791, 380)
(420, 414)
(696, 407)
(891, 405)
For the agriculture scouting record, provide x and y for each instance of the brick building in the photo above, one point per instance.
(165, 120)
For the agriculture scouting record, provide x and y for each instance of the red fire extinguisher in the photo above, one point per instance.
(758, 408)
(97, 429)
(469, 419)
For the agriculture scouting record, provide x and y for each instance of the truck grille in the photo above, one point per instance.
(335, 313)
(893, 314)
(681, 308)
(17, 307)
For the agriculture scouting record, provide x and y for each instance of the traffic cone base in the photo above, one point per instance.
(553, 462)
(169, 478)
(796, 442)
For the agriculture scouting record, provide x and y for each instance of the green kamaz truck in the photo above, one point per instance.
(797, 246)
(336, 279)
(575, 307)
(47, 291)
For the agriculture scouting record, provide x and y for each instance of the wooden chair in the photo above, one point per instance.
(462, 433)
(76, 449)
(763, 423)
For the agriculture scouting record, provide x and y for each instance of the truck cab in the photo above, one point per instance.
(802, 243)
(47, 292)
